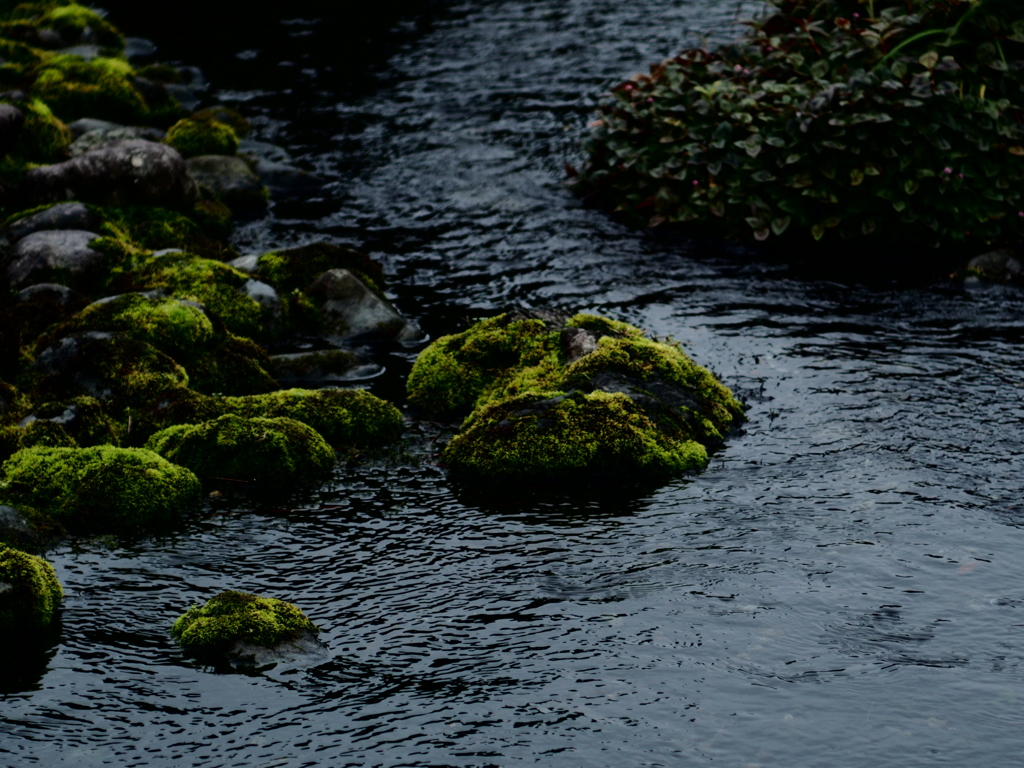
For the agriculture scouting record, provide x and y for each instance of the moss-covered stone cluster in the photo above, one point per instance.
(155, 340)
(30, 594)
(551, 397)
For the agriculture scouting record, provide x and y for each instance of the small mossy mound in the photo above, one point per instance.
(346, 418)
(30, 594)
(101, 489)
(101, 88)
(215, 285)
(232, 617)
(270, 452)
(43, 138)
(544, 439)
(549, 395)
(57, 24)
(153, 228)
(36, 433)
(194, 136)
(82, 418)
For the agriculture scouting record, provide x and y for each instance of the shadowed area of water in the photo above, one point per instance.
(842, 587)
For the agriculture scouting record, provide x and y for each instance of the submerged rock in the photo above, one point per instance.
(30, 594)
(322, 368)
(551, 397)
(135, 172)
(100, 489)
(270, 452)
(57, 256)
(248, 630)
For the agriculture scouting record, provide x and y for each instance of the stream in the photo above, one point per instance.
(844, 586)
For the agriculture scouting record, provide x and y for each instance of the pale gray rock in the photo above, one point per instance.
(61, 216)
(100, 137)
(245, 264)
(304, 651)
(354, 311)
(57, 256)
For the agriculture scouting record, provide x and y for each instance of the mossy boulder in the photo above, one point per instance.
(30, 594)
(101, 489)
(44, 138)
(550, 396)
(231, 621)
(100, 88)
(346, 418)
(36, 433)
(296, 268)
(270, 452)
(195, 136)
(57, 25)
(83, 419)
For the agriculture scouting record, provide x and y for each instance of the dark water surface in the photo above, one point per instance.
(843, 587)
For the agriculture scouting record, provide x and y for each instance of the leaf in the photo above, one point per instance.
(817, 231)
(856, 177)
(819, 68)
(899, 205)
(929, 60)
(910, 186)
(762, 176)
(794, 158)
(754, 222)
(781, 225)
(717, 208)
(762, 234)
(1016, 151)
(868, 226)
(656, 221)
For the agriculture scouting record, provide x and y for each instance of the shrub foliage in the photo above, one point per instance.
(831, 119)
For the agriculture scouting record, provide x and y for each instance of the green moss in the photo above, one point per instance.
(231, 370)
(295, 268)
(73, 19)
(562, 438)
(197, 136)
(536, 412)
(30, 594)
(43, 138)
(237, 616)
(83, 418)
(100, 489)
(213, 284)
(227, 116)
(172, 326)
(100, 88)
(273, 452)
(120, 371)
(36, 433)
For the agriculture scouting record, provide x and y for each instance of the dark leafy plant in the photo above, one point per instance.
(837, 118)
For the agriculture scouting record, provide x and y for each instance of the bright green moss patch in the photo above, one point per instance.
(213, 284)
(82, 418)
(30, 594)
(598, 434)
(100, 489)
(37, 433)
(72, 20)
(197, 136)
(43, 138)
(270, 452)
(232, 617)
(549, 396)
(100, 88)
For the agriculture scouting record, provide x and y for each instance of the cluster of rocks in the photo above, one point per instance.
(142, 357)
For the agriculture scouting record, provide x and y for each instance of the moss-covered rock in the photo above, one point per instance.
(36, 433)
(44, 138)
(30, 594)
(550, 396)
(238, 617)
(57, 25)
(346, 418)
(598, 434)
(296, 268)
(101, 88)
(270, 452)
(83, 419)
(215, 285)
(195, 136)
(101, 489)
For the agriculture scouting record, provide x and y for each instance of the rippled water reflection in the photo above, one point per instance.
(842, 587)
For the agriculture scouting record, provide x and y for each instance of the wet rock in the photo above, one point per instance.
(86, 124)
(134, 172)
(61, 216)
(578, 342)
(354, 311)
(1002, 266)
(322, 368)
(285, 180)
(16, 531)
(60, 256)
(232, 181)
(87, 51)
(12, 120)
(247, 264)
(100, 137)
(248, 630)
(138, 49)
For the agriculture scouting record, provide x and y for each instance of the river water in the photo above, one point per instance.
(844, 586)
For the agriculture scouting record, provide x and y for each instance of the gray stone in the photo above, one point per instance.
(305, 650)
(285, 180)
(100, 137)
(354, 311)
(264, 150)
(245, 264)
(134, 172)
(314, 370)
(61, 216)
(87, 51)
(11, 121)
(138, 48)
(1000, 266)
(231, 180)
(578, 343)
(53, 293)
(59, 256)
(86, 124)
